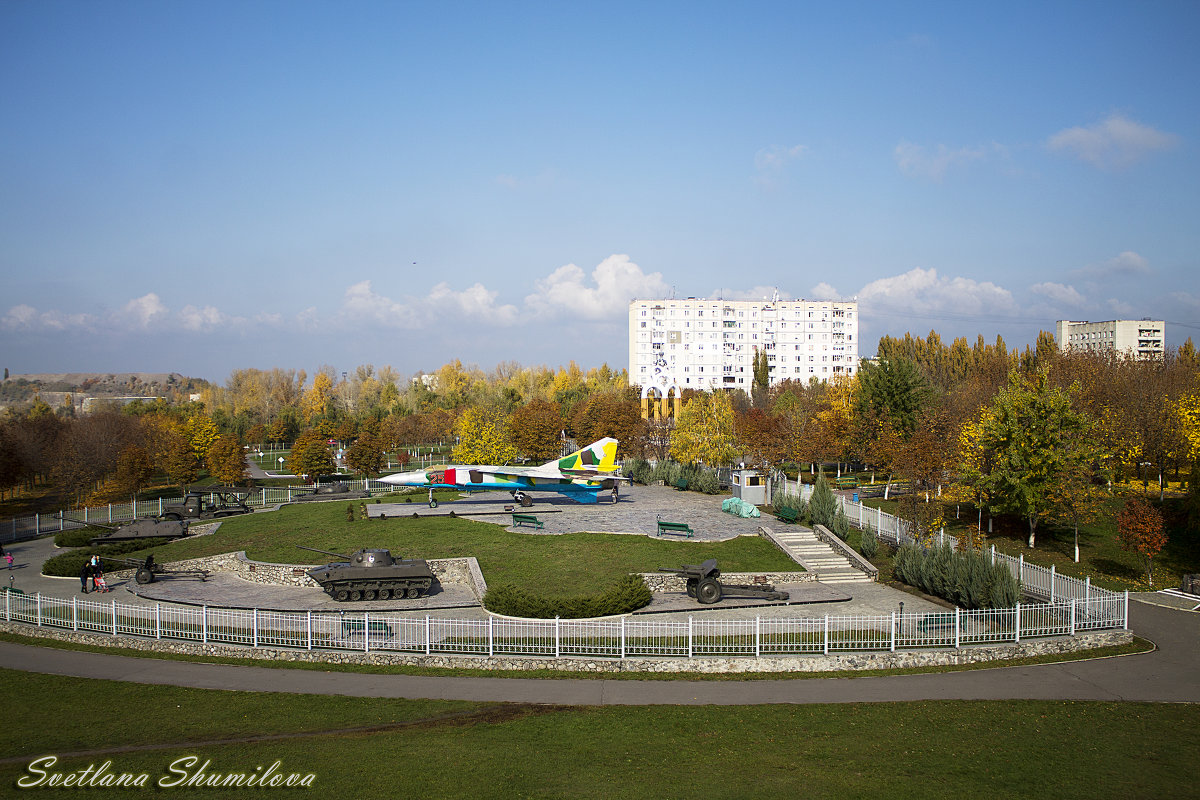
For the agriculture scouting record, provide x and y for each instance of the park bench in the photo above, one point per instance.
(681, 484)
(674, 527)
(937, 624)
(353, 629)
(846, 482)
(787, 515)
(526, 519)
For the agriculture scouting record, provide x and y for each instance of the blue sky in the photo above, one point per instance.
(203, 187)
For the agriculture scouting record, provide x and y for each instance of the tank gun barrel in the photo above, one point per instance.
(325, 552)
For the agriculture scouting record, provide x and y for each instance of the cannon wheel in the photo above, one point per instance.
(342, 595)
(385, 594)
(691, 586)
(708, 590)
(144, 576)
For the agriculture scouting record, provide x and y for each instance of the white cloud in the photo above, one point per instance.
(201, 319)
(615, 281)
(824, 291)
(924, 291)
(20, 316)
(1121, 309)
(916, 161)
(145, 309)
(25, 317)
(1114, 143)
(442, 303)
(756, 293)
(776, 157)
(1059, 293)
(1126, 264)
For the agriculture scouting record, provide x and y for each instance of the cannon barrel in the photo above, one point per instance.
(326, 552)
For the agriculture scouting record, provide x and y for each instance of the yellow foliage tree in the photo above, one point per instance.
(482, 439)
(705, 431)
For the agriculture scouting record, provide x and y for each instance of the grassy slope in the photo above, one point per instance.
(567, 564)
(925, 750)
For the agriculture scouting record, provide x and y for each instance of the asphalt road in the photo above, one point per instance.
(1169, 674)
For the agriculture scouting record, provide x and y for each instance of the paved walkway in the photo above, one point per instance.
(1166, 675)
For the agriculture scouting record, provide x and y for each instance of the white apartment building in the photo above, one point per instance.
(710, 344)
(1140, 338)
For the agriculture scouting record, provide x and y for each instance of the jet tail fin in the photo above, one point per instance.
(598, 456)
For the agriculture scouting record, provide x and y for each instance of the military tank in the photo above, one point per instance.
(372, 575)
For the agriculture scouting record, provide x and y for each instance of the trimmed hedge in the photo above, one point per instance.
(969, 579)
(69, 565)
(78, 537)
(628, 594)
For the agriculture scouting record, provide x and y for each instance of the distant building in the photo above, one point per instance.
(1140, 338)
(710, 344)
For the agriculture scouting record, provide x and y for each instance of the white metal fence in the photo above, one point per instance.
(605, 638)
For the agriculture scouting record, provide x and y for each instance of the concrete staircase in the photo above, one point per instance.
(817, 557)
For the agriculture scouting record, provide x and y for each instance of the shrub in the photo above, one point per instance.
(841, 525)
(870, 543)
(785, 499)
(77, 537)
(822, 506)
(966, 579)
(628, 594)
(708, 482)
(638, 470)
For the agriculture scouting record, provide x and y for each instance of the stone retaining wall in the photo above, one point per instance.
(668, 582)
(816, 663)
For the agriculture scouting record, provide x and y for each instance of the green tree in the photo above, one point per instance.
(823, 505)
(1028, 433)
(892, 390)
(365, 455)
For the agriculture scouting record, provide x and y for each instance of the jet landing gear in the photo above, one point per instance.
(432, 502)
(525, 500)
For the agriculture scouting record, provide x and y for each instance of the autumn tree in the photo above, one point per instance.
(311, 456)
(1140, 530)
(226, 461)
(482, 439)
(615, 413)
(366, 455)
(704, 432)
(535, 429)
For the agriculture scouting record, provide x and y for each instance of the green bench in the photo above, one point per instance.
(353, 629)
(674, 527)
(937, 624)
(681, 484)
(846, 482)
(526, 519)
(787, 515)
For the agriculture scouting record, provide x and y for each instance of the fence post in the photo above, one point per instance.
(39, 609)
(1087, 593)
(254, 627)
(1125, 613)
(758, 637)
(1021, 568)
(622, 637)
(826, 648)
(1051, 583)
(427, 642)
(892, 632)
(366, 631)
(1072, 616)
(204, 624)
(8, 606)
(1017, 626)
(557, 639)
(37, 524)
(74, 615)
(993, 555)
(114, 616)
(957, 629)
(491, 638)
(308, 629)
(689, 637)
(110, 512)
(158, 620)
(135, 506)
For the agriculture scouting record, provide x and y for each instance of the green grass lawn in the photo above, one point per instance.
(1100, 553)
(448, 749)
(576, 563)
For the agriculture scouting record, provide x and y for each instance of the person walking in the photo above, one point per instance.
(84, 574)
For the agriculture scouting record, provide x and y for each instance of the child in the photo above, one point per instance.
(9, 558)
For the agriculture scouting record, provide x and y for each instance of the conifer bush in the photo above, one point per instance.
(967, 579)
(822, 506)
(870, 543)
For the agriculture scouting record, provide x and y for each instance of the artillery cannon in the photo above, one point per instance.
(372, 575)
(704, 584)
(140, 529)
(149, 569)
